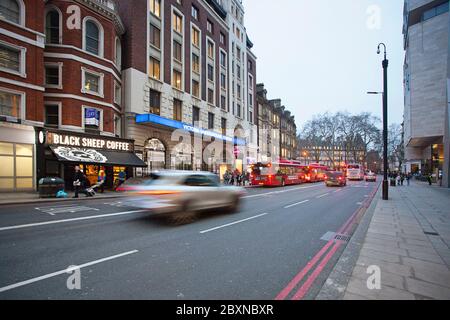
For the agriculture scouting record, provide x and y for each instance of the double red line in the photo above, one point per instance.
(334, 245)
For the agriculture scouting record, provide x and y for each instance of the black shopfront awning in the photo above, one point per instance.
(98, 157)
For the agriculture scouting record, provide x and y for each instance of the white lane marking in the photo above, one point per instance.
(57, 273)
(65, 209)
(233, 223)
(338, 191)
(296, 204)
(69, 220)
(277, 192)
(323, 195)
(359, 203)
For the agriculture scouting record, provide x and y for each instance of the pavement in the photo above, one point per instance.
(283, 244)
(406, 241)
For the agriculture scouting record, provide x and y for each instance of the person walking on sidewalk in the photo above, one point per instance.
(79, 182)
(408, 179)
(101, 180)
(402, 179)
(430, 179)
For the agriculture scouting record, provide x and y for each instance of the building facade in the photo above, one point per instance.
(426, 43)
(189, 77)
(60, 91)
(332, 156)
(277, 131)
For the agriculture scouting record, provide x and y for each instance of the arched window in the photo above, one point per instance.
(10, 10)
(154, 155)
(92, 37)
(52, 27)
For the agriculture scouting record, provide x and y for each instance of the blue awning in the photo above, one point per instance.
(152, 118)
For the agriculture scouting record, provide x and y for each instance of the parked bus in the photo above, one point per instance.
(315, 172)
(277, 174)
(355, 172)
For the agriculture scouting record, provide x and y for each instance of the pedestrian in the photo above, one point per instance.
(408, 179)
(122, 177)
(79, 182)
(402, 179)
(101, 180)
(430, 179)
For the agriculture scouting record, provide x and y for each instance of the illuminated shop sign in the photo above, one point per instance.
(151, 118)
(68, 140)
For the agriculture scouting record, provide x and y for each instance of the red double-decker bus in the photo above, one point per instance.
(315, 172)
(277, 174)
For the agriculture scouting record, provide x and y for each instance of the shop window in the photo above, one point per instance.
(17, 170)
(155, 155)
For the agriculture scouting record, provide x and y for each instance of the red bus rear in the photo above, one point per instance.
(278, 174)
(315, 172)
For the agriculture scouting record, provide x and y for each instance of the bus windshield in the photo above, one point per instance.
(353, 166)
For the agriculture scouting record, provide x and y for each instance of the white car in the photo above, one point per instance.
(181, 194)
(370, 176)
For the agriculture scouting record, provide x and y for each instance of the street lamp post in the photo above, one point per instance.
(385, 121)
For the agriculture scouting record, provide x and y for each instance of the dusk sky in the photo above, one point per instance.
(321, 55)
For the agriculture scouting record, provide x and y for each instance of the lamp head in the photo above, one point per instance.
(378, 51)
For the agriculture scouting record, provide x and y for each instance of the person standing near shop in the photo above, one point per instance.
(101, 180)
(79, 182)
(122, 177)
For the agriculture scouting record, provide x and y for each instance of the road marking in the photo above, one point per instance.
(233, 223)
(359, 203)
(338, 191)
(65, 209)
(323, 195)
(69, 220)
(296, 204)
(278, 192)
(57, 273)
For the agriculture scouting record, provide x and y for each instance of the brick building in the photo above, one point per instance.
(60, 78)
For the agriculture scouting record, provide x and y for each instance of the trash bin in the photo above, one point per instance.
(49, 187)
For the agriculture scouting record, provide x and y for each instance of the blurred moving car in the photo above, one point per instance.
(180, 195)
(370, 176)
(335, 178)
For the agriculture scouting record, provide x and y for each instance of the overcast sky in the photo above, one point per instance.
(320, 55)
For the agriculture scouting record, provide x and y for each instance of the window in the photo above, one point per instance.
(196, 37)
(223, 59)
(250, 116)
(17, 170)
(223, 126)
(177, 110)
(155, 68)
(209, 26)
(53, 76)
(238, 53)
(176, 79)
(92, 120)
(117, 126)
(238, 71)
(250, 99)
(117, 93)
(177, 23)
(11, 59)
(155, 102)
(223, 81)
(210, 121)
(195, 63)
(223, 103)
(92, 37)
(222, 38)
(195, 89)
(239, 91)
(92, 82)
(239, 110)
(155, 7)
(210, 72)
(210, 50)
(250, 66)
(211, 96)
(195, 115)
(10, 11)
(155, 36)
(194, 13)
(177, 50)
(118, 55)
(52, 27)
(52, 115)
(438, 10)
(10, 104)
